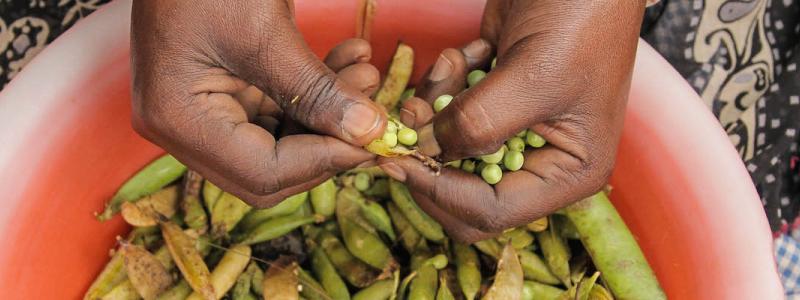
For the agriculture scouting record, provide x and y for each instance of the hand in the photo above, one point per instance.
(198, 71)
(563, 70)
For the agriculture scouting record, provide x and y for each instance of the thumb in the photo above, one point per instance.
(283, 66)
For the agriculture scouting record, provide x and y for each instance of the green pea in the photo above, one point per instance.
(408, 93)
(407, 136)
(361, 181)
(535, 140)
(492, 173)
(468, 165)
(455, 164)
(522, 133)
(474, 77)
(390, 138)
(441, 102)
(513, 160)
(480, 166)
(516, 144)
(495, 157)
(391, 126)
(494, 62)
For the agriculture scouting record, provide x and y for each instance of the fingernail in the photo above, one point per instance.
(476, 49)
(442, 69)
(408, 117)
(367, 164)
(360, 120)
(394, 171)
(427, 141)
(363, 58)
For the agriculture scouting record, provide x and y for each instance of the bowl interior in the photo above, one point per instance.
(678, 183)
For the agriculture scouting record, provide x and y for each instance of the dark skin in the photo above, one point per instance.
(199, 69)
(563, 71)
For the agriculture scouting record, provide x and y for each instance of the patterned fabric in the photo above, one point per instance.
(738, 55)
(27, 26)
(787, 254)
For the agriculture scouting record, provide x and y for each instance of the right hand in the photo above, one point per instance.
(199, 68)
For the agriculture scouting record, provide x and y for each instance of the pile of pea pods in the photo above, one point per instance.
(359, 235)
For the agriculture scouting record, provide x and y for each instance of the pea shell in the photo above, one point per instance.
(280, 280)
(380, 290)
(326, 272)
(188, 259)
(468, 270)
(508, 280)
(227, 213)
(178, 292)
(396, 78)
(112, 275)
(148, 276)
(424, 286)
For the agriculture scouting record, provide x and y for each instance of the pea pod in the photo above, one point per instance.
(258, 278)
(329, 279)
(424, 224)
(538, 291)
(353, 270)
(613, 249)
(146, 273)
(467, 270)
(518, 237)
(401, 292)
(409, 236)
(280, 280)
(424, 286)
(323, 198)
(347, 206)
(285, 208)
(211, 194)
(580, 290)
(150, 179)
(227, 270)
(275, 228)
(147, 211)
(241, 290)
(535, 268)
(112, 275)
(379, 290)
(178, 292)
(565, 227)
(508, 280)
(397, 77)
(364, 245)
(194, 215)
(309, 287)
(123, 291)
(489, 247)
(378, 217)
(556, 254)
(188, 259)
(444, 292)
(227, 213)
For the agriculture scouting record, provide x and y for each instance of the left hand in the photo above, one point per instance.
(563, 71)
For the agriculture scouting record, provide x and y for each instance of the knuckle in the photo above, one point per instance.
(488, 221)
(316, 92)
(473, 132)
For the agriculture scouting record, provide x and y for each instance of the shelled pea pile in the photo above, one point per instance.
(360, 235)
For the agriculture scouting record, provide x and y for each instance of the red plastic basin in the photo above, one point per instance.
(66, 144)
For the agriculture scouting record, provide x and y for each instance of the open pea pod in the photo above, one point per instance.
(150, 209)
(280, 280)
(146, 273)
(380, 147)
(227, 271)
(508, 281)
(188, 259)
